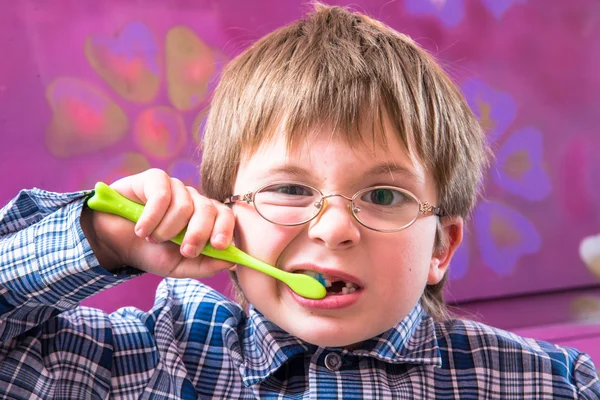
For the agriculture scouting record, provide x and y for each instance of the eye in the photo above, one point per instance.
(386, 197)
(290, 189)
(286, 194)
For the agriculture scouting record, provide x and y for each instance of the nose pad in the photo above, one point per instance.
(323, 203)
(334, 234)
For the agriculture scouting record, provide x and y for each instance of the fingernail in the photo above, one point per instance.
(220, 238)
(190, 250)
(140, 232)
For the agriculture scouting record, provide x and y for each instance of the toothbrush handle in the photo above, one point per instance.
(108, 200)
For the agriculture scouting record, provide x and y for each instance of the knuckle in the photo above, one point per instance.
(177, 182)
(207, 208)
(162, 196)
(192, 191)
(157, 172)
(224, 211)
(185, 208)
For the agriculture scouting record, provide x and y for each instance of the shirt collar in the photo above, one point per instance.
(412, 341)
(266, 347)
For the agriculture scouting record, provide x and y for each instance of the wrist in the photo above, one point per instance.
(106, 256)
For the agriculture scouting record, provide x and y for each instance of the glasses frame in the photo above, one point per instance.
(424, 206)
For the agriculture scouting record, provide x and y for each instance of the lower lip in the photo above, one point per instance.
(329, 302)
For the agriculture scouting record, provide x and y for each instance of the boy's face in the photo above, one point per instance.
(391, 269)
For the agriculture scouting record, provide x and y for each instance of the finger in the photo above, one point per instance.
(177, 216)
(222, 233)
(151, 188)
(199, 267)
(200, 225)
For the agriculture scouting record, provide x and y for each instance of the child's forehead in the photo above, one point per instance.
(365, 142)
(323, 150)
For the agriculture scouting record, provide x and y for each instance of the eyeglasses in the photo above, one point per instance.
(380, 208)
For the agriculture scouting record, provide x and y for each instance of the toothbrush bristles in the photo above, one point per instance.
(321, 279)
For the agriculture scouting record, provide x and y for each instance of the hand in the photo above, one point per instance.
(170, 206)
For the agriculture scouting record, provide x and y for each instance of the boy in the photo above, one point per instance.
(360, 160)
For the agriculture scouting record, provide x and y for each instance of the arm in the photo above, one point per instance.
(50, 256)
(586, 378)
(46, 263)
(85, 353)
(52, 249)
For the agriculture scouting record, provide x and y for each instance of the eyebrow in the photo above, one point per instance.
(391, 169)
(289, 169)
(380, 169)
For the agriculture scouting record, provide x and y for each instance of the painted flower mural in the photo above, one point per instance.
(125, 91)
(135, 66)
(449, 12)
(452, 12)
(502, 233)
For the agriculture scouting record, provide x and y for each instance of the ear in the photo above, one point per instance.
(452, 235)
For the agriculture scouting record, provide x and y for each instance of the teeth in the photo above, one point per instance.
(347, 289)
(314, 275)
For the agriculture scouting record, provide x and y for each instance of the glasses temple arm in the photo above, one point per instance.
(245, 197)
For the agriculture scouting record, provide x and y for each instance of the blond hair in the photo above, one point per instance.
(345, 70)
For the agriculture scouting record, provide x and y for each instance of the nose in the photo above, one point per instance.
(335, 226)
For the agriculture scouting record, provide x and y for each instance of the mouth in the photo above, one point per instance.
(336, 284)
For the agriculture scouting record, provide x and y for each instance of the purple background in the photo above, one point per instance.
(92, 91)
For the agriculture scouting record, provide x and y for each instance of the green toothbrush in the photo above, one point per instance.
(108, 200)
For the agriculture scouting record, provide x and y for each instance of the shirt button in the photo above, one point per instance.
(333, 361)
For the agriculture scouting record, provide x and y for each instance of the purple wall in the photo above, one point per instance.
(94, 90)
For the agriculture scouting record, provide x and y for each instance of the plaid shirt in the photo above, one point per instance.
(196, 343)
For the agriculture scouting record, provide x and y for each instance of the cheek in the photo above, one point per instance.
(266, 242)
(260, 238)
(401, 265)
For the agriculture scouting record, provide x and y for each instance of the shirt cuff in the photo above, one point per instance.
(62, 269)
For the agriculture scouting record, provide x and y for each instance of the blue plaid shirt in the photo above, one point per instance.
(196, 343)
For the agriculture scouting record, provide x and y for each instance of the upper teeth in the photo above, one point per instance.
(348, 288)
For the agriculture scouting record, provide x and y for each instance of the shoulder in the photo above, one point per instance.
(468, 346)
(482, 340)
(192, 300)
(483, 358)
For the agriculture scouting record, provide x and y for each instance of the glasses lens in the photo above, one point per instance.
(386, 208)
(287, 203)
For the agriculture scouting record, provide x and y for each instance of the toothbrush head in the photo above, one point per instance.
(321, 279)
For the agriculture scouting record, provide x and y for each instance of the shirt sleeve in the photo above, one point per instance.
(586, 378)
(52, 348)
(47, 266)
